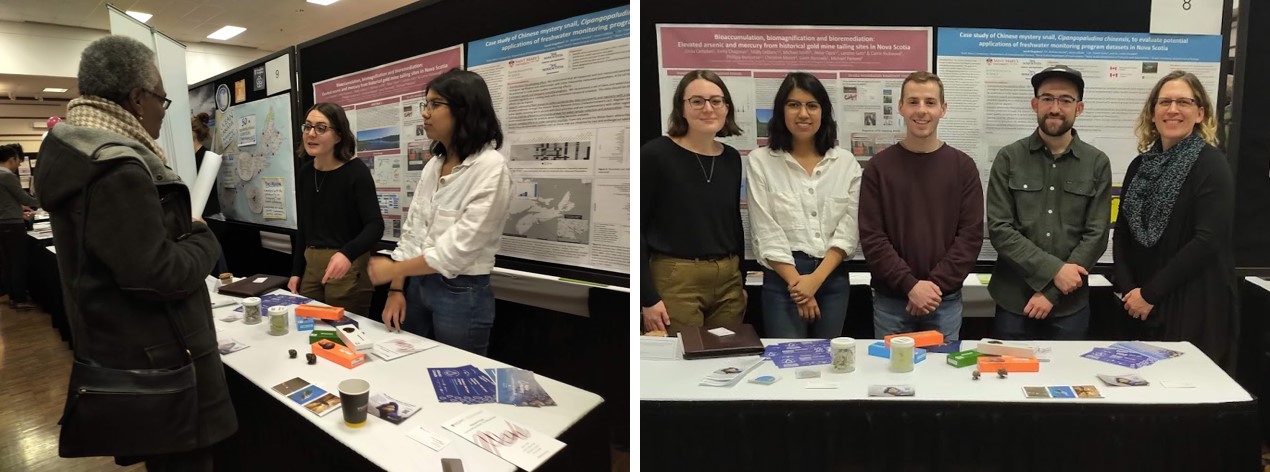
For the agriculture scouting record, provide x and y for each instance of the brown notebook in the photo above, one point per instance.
(253, 286)
(700, 344)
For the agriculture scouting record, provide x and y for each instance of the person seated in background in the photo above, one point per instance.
(1172, 246)
(921, 219)
(691, 240)
(1049, 207)
(804, 196)
(15, 208)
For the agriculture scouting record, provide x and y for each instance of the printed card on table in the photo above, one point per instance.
(1118, 357)
(514, 443)
(1123, 380)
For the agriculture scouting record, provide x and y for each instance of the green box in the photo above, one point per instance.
(320, 334)
(963, 358)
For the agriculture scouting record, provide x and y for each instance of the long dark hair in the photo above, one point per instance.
(347, 147)
(475, 123)
(779, 137)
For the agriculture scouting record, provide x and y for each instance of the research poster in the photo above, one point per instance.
(562, 94)
(385, 110)
(861, 67)
(987, 80)
(257, 173)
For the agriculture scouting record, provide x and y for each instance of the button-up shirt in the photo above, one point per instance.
(793, 211)
(1045, 211)
(456, 222)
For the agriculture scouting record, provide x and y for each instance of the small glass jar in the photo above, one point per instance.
(251, 310)
(902, 354)
(278, 320)
(843, 352)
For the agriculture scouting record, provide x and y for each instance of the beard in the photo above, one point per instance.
(1052, 129)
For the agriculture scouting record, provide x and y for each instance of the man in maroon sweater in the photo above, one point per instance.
(921, 220)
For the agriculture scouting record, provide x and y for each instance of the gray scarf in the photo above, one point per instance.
(1150, 199)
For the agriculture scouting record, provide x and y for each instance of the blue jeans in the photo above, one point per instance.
(1016, 326)
(780, 313)
(458, 312)
(889, 317)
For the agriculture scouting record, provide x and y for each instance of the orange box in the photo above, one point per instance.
(920, 338)
(990, 364)
(320, 312)
(338, 354)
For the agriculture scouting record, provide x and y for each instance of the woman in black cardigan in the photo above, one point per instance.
(1174, 261)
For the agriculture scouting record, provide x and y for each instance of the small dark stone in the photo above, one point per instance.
(1002, 372)
(312, 358)
(292, 353)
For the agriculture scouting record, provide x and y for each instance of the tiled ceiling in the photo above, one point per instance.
(28, 86)
(271, 24)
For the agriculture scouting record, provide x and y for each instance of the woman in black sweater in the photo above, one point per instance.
(339, 214)
(1172, 244)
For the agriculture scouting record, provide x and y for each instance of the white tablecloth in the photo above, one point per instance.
(266, 364)
(935, 380)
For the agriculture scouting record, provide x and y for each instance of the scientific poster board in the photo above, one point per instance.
(253, 130)
(987, 81)
(257, 178)
(862, 68)
(562, 94)
(384, 106)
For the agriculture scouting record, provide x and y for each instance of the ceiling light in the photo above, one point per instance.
(142, 17)
(323, 2)
(226, 32)
(54, 90)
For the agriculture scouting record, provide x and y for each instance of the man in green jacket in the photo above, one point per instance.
(1048, 208)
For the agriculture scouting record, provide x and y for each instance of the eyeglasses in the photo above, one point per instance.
(434, 104)
(1182, 103)
(1065, 100)
(320, 128)
(698, 102)
(794, 105)
(166, 102)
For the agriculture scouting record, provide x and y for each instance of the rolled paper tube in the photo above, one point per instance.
(203, 183)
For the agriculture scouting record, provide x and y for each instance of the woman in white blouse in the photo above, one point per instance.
(804, 194)
(455, 222)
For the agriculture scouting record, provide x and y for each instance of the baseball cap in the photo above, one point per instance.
(1059, 71)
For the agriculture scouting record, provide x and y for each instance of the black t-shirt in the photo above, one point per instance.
(338, 210)
(683, 215)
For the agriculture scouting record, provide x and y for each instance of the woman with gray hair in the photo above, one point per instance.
(133, 261)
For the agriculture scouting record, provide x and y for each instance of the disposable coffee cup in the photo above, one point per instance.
(354, 396)
(843, 351)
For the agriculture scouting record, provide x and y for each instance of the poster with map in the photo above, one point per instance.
(562, 93)
(257, 174)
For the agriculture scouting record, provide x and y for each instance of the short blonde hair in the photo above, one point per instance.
(1145, 128)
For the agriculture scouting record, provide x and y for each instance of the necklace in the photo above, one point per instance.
(709, 176)
(315, 179)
